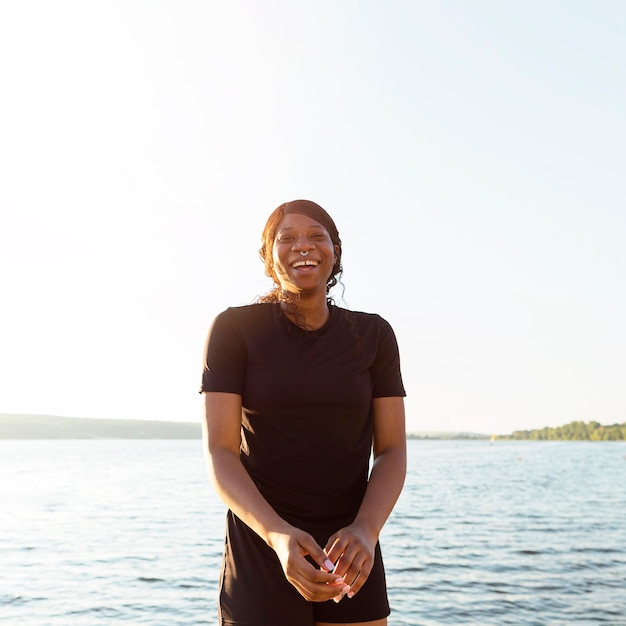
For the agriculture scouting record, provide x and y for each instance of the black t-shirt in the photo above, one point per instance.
(307, 395)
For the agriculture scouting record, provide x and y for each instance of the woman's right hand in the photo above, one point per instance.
(292, 545)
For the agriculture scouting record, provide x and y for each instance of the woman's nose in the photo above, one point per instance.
(303, 244)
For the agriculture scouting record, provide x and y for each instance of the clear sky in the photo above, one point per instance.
(472, 154)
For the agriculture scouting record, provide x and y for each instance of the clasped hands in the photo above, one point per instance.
(344, 563)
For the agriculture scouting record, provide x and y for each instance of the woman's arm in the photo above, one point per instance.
(222, 440)
(352, 548)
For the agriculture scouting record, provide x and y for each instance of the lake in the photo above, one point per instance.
(130, 531)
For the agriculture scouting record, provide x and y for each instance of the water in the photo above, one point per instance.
(110, 532)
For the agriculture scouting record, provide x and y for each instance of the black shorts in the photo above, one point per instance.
(255, 592)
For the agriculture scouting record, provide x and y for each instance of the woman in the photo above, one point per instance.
(296, 390)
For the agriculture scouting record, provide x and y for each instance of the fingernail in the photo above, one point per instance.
(350, 595)
(329, 565)
(345, 591)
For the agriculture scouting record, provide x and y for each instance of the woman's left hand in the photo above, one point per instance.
(352, 550)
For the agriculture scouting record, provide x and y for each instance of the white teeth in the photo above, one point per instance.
(301, 263)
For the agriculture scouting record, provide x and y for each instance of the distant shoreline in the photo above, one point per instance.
(444, 435)
(24, 426)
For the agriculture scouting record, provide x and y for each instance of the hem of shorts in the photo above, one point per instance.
(228, 622)
(338, 621)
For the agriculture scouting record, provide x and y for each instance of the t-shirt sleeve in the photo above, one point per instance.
(385, 371)
(224, 356)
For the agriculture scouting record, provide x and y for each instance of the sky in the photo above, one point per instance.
(471, 153)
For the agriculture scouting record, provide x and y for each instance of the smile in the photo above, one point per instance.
(303, 263)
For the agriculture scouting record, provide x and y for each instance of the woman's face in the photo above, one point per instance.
(303, 255)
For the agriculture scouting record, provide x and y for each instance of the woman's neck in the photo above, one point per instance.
(308, 313)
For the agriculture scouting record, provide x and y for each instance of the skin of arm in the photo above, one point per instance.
(352, 548)
(222, 440)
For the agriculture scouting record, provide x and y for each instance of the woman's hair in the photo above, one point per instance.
(302, 207)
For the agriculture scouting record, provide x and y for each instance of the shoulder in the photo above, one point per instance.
(246, 313)
(363, 319)
(242, 319)
(364, 326)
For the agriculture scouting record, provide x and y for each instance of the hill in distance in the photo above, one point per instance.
(16, 426)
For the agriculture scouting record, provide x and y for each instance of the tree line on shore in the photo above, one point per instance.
(574, 431)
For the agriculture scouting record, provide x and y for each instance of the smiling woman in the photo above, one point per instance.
(297, 388)
(299, 226)
(303, 255)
